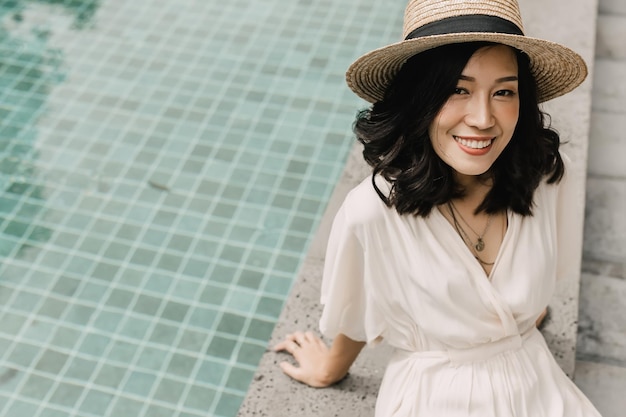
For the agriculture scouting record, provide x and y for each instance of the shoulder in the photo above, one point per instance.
(551, 191)
(363, 205)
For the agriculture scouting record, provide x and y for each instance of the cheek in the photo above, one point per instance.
(510, 116)
(439, 125)
(436, 135)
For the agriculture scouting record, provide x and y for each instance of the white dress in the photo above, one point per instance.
(465, 343)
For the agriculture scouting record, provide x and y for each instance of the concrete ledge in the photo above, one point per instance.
(610, 37)
(602, 329)
(609, 92)
(605, 225)
(608, 145)
(617, 7)
(605, 386)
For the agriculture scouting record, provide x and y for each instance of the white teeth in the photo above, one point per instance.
(474, 144)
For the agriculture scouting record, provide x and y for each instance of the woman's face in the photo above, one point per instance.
(477, 122)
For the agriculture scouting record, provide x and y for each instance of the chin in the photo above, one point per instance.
(473, 171)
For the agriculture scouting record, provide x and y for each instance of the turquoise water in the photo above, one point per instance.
(163, 167)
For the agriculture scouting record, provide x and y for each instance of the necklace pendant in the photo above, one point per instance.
(480, 245)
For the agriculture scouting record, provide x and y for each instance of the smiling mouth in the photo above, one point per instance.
(474, 144)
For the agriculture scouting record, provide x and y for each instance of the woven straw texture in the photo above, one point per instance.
(557, 69)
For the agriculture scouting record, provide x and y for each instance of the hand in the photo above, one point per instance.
(312, 356)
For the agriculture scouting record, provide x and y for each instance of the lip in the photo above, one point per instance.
(475, 151)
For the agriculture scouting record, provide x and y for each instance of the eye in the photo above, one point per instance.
(505, 93)
(460, 90)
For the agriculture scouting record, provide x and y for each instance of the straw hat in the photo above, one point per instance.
(432, 23)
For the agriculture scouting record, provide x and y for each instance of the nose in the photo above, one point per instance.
(479, 113)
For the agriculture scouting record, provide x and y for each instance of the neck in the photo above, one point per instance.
(468, 181)
(475, 187)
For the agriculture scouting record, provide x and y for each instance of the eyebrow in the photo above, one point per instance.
(499, 80)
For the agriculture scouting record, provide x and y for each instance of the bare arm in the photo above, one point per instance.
(319, 366)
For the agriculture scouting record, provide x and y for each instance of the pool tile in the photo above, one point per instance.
(200, 398)
(96, 402)
(122, 351)
(260, 329)
(251, 279)
(123, 406)
(231, 323)
(65, 394)
(48, 412)
(21, 408)
(181, 365)
(159, 411)
(14, 323)
(226, 403)
(87, 292)
(139, 383)
(51, 362)
(65, 337)
(164, 334)
(203, 318)
(269, 307)
(134, 327)
(169, 390)
(147, 304)
(110, 375)
(152, 358)
(52, 308)
(80, 369)
(239, 379)
(94, 345)
(175, 311)
(250, 354)
(79, 314)
(119, 298)
(36, 387)
(221, 347)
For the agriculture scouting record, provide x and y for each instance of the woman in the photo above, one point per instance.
(450, 251)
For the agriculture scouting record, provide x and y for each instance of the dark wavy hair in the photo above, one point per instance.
(394, 133)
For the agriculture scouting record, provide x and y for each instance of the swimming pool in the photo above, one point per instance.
(163, 167)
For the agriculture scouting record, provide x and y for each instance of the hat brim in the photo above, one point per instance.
(556, 68)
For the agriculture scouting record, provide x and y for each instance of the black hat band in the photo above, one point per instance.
(464, 24)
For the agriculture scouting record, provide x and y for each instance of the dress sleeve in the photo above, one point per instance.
(348, 305)
(570, 199)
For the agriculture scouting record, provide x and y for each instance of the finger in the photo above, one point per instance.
(294, 349)
(278, 346)
(288, 346)
(310, 336)
(283, 345)
(315, 340)
(291, 371)
(299, 338)
(321, 344)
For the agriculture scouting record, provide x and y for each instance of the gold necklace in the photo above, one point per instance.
(465, 237)
(480, 243)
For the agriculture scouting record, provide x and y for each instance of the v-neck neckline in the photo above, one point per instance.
(450, 227)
